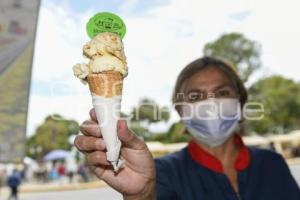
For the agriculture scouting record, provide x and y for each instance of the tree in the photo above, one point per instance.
(53, 134)
(146, 113)
(176, 133)
(149, 111)
(281, 100)
(243, 54)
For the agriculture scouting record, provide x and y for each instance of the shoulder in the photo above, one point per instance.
(274, 172)
(266, 159)
(265, 154)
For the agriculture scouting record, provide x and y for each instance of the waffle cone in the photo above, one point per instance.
(106, 84)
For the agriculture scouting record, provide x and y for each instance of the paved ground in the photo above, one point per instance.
(90, 194)
(295, 169)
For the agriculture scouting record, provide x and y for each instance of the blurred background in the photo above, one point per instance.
(42, 104)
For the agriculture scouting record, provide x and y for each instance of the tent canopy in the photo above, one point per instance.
(56, 155)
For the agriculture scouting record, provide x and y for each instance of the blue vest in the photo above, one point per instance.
(267, 177)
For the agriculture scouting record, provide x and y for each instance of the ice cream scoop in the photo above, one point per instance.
(81, 71)
(105, 44)
(107, 63)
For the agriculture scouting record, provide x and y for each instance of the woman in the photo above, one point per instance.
(215, 165)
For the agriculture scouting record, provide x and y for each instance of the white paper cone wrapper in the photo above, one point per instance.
(108, 113)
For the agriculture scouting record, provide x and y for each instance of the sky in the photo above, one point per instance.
(162, 37)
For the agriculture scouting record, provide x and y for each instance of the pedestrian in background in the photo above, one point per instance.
(13, 182)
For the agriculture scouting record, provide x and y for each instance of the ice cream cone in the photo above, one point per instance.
(106, 91)
(106, 84)
(104, 74)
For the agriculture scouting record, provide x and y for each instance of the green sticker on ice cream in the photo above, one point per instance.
(105, 22)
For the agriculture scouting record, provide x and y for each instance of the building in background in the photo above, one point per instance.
(18, 19)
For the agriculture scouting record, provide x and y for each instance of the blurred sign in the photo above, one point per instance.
(17, 32)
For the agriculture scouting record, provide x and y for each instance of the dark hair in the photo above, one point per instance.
(201, 64)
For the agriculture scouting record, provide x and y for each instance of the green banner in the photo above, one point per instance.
(18, 19)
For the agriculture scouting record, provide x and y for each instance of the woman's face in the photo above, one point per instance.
(208, 83)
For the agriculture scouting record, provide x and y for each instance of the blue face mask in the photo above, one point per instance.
(212, 121)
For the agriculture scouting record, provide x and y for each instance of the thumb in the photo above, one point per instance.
(128, 138)
(93, 115)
